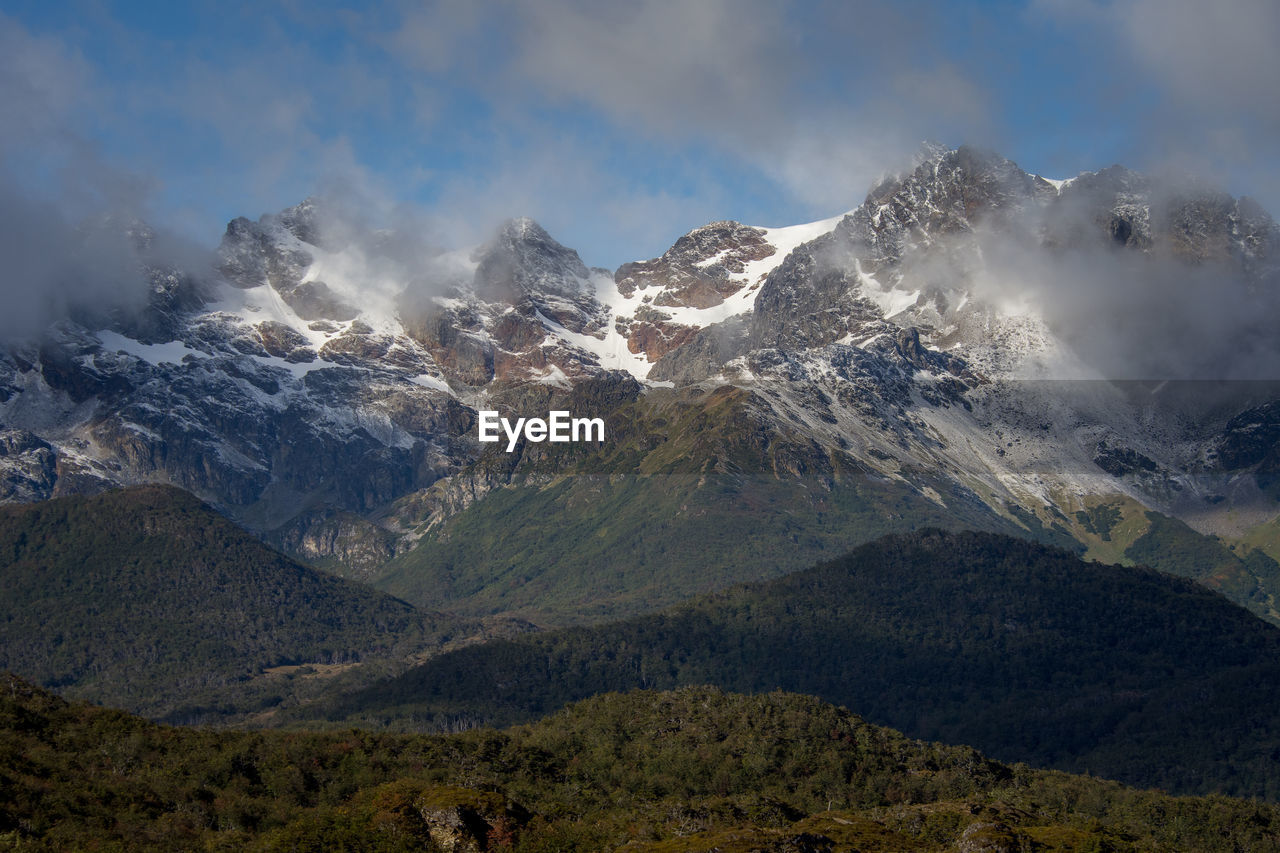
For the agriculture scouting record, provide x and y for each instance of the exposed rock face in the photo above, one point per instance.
(700, 269)
(1251, 440)
(711, 273)
(985, 837)
(1249, 437)
(831, 288)
(950, 192)
(525, 268)
(505, 316)
(1119, 461)
(704, 356)
(28, 468)
(357, 545)
(461, 820)
(274, 250)
(810, 300)
(653, 333)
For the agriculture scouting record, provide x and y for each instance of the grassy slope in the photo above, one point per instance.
(693, 770)
(1022, 650)
(692, 492)
(148, 599)
(699, 488)
(587, 548)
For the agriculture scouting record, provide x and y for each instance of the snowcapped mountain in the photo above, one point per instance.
(321, 383)
(711, 274)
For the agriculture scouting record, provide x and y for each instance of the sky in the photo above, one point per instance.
(618, 126)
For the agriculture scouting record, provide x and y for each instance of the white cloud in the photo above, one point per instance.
(1201, 75)
(796, 93)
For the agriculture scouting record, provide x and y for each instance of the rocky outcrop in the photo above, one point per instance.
(356, 545)
(812, 299)
(653, 333)
(505, 321)
(28, 467)
(704, 356)
(1249, 438)
(463, 820)
(274, 251)
(524, 267)
(700, 269)
(1119, 461)
(989, 837)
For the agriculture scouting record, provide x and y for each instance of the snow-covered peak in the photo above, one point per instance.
(709, 275)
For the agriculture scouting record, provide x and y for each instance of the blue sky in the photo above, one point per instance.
(618, 126)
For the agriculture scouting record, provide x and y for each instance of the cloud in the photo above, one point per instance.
(821, 99)
(66, 211)
(619, 126)
(1131, 316)
(1200, 77)
(1126, 313)
(720, 66)
(41, 83)
(1219, 59)
(53, 268)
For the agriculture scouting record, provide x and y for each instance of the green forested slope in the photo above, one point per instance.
(693, 770)
(588, 548)
(1022, 650)
(146, 598)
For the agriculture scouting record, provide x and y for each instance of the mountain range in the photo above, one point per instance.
(971, 346)
(880, 459)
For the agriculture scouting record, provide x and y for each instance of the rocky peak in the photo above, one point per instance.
(522, 260)
(279, 250)
(709, 275)
(1112, 205)
(302, 221)
(948, 193)
(525, 267)
(1188, 219)
(701, 268)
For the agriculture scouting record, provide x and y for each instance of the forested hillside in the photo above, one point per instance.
(1022, 650)
(147, 599)
(693, 770)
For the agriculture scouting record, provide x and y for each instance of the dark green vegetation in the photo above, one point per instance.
(587, 548)
(1175, 547)
(693, 770)
(1100, 520)
(145, 598)
(1022, 650)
